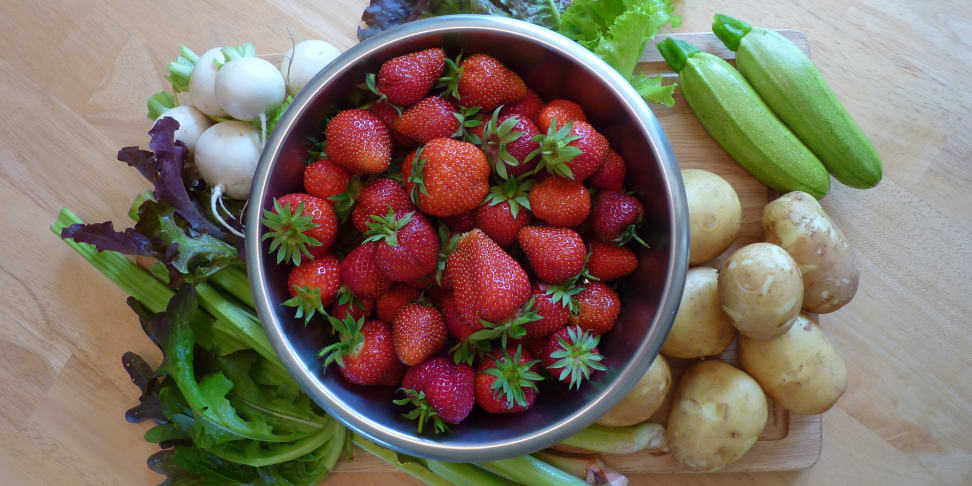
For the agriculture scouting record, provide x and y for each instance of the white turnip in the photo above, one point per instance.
(305, 60)
(226, 156)
(192, 124)
(202, 82)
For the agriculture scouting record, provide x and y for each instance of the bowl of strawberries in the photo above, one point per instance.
(467, 238)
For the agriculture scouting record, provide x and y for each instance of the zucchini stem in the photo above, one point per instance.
(730, 30)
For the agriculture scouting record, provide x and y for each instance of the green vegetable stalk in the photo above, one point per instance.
(620, 440)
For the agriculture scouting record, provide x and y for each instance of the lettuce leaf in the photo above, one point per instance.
(651, 89)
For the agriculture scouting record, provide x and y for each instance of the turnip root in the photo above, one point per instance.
(202, 83)
(303, 61)
(226, 156)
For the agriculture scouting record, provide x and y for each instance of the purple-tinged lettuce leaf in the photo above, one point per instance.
(143, 376)
(382, 15)
(104, 237)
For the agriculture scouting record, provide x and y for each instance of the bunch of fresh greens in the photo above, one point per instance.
(616, 30)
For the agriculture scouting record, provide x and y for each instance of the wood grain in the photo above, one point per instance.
(73, 77)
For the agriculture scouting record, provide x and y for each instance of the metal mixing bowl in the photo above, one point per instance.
(554, 67)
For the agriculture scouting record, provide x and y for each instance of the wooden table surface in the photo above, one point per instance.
(74, 75)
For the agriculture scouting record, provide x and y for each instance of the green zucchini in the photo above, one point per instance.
(793, 87)
(740, 121)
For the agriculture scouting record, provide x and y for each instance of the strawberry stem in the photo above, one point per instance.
(515, 191)
(467, 350)
(555, 150)
(512, 377)
(307, 301)
(452, 77)
(495, 138)
(288, 232)
(423, 410)
(449, 242)
(511, 328)
(385, 228)
(349, 331)
(417, 180)
(577, 357)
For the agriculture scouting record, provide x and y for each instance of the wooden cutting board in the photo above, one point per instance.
(790, 442)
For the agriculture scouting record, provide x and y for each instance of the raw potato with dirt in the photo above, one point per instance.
(761, 290)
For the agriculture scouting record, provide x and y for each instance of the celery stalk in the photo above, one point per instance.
(414, 469)
(620, 440)
(461, 474)
(235, 281)
(532, 471)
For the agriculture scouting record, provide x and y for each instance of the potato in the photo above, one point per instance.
(715, 214)
(643, 401)
(761, 289)
(800, 369)
(717, 414)
(701, 327)
(797, 223)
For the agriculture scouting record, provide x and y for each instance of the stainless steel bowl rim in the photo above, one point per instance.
(669, 299)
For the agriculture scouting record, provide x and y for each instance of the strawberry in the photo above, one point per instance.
(446, 177)
(364, 355)
(418, 333)
(437, 295)
(375, 199)
(324, 179)
(574, 151)
(598, 307)
(421, 283)
(313, 285)
(533, 344)
(555, 254)
(389, 303)
(481, 80)
(388, 113)
(441, 391)
(506, 382)
(448, 240)
(300, 225)
(486, 278)
(433, 117)
(406, 79)
(560, 202)
(358, 141)
(501, 222)
(570, 355)
(360, 272)
(609, 262)
(610, 176)
(553, 315)
(509, 144)
(562, 111)
(528, 107)
(407, 246)
(512, 327)
(461, 223)
(348, 304)
(616, 216)
(460, 319)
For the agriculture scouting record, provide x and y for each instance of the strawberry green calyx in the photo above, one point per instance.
(288, 232)
(418, 183)
(308, 302)
(180, 70)
(469, 117)
(371, 84)
(345, 297)
(496, 136)
(630, 233)
(343, 203)
(515, 191)
(555, 150)
(512, 377)
(423, 411)
(578, 357)
(349, 330)
(511, 328)
(385, 228)
(450, 81)
(467, 350)
(565, 292)
(447, 244)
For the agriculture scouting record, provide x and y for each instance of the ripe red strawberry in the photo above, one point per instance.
(406, 79)
(481, 80)
(300, 225)
(553, 315)
(441, 392)
(598, 307)
(499, 222)
(555, 254)
(360, 272)
(437, 295)
(433, 117)
(528, 107)
(570, 355)
(407, 245)
(615, 217)
(388, 114)
(446, 177)
(461, 320)
(364, 354)
(574, 151)
(418, 333)
(509, 145)
(313, 285)
(389, 303)
(609, 262)
(422, 282)
(462, 222)
(560, 202)
(324, 179)
(563, 111)
(506, 381)
(348, 304)
(610, 176)
(358, 141)
(374, 200)
(533, 344)
(486, 278)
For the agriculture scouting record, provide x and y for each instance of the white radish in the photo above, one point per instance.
(248, 87)
(305, 60)
(192, 124)
(226, 157)
(202, 82)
